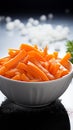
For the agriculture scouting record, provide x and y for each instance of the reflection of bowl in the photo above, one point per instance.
(35, 93)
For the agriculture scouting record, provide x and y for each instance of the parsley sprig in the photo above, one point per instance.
(69, 48)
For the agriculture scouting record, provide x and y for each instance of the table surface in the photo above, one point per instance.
(10, 39)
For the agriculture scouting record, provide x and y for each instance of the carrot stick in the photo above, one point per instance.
(3, 69)
(36, 55)
(11, 63)
(16, 77)
(65, 58)
(49, 56)
(13, 52)
(24, 77)
(10, 73)
(29, 75)
(5, 59)
(45, 52)
(22, 66)
(25, 60)
(49, 75)
(58, 74)
(64, 72)
(53, 67)
(55, 54)
(37, 72)
(27, 47)
(45, 64)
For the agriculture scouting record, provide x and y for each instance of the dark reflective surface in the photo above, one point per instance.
(50, 117)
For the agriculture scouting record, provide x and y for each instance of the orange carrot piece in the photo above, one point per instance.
(65, 58)
(45, 64)
(0, 66)
(64, 72)
(25, 60)
(64, 61)
(58, 74)
(51, 64)
(10, 73)
(27, 47)
(49, 56)
(36, 55)
(5, 59)
(37, 72)
(22, 66)
(45, 52)
(49, 75)
(16, 77)
(35, 46)
(3, 69)
(55, 54)
(24, 77)
(67, 65)
(12, 62)
(29, 75)
(61, 71)
(13, 52)
(54, 67)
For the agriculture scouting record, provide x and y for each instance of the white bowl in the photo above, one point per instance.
(35, 93)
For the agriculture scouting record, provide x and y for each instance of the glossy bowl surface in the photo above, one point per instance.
(35, 93)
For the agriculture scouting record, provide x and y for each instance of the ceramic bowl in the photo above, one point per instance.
(35, 93)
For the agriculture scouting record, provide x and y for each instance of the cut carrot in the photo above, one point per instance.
(58, 74)
(31, 64)
(3, 60)
(3, 70)
(55, 54)
(25, 60)
(36, 55)
(45, 52)
(22, 66)
(65, 58)
(29, 75)
(10, 73)
(53, 66)
(49, 75)
(64, 72)
(12, 62)
(49, 56)
(37, 73)
(45, 64)
(16, 77)
(27, 47)
(24, 77)
(13, 52)
(35, 46)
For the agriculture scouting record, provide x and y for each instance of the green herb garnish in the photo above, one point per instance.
(69, 48)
